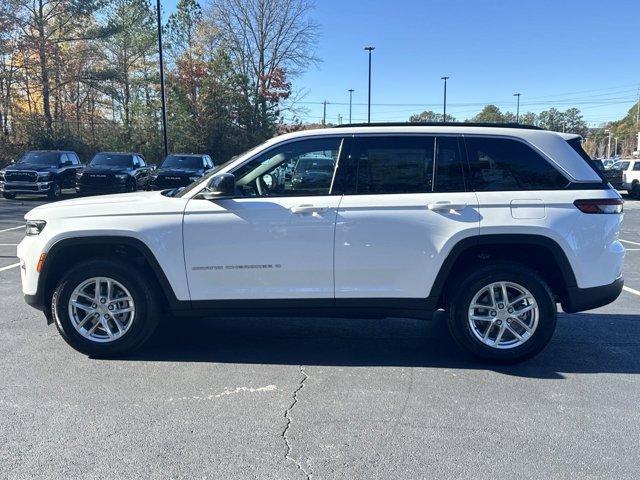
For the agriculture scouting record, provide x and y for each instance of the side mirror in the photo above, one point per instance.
(219, 187)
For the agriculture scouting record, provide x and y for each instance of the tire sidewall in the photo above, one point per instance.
(144, 321)
(458, 317)
(56, 191)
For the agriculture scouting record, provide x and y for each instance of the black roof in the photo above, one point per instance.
(441, 124)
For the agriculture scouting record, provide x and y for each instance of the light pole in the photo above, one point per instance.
(518, 107)
(351, 90)
(615, 151)
(609, 143)
(164, 101)
(444, 114)
(324, 112)
(369, 49)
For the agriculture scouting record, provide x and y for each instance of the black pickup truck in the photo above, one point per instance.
(114, 172)
(40, 172)
(611, 175)
(179, 170)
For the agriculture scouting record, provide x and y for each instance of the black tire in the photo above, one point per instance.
(131, 186)
(635, 190)
(55, 192)
(472, 282)
(144, 296)
(9, 196)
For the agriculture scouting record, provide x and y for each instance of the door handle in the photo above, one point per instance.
(301, 209)
(446, 206)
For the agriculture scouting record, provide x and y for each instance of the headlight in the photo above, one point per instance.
(193, 179)
(1, 175)
(122, 176)
(44, 176)
(34, 227)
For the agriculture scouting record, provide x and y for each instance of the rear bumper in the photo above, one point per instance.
(581, 299)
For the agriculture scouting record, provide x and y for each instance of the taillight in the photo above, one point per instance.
(600, 205)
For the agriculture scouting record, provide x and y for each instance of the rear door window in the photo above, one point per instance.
(501, 164)
(408, 164)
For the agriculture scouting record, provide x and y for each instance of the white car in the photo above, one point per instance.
(496, 225)
(630, 176)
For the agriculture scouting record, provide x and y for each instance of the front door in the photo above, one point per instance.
(406, 208)
(274, 240)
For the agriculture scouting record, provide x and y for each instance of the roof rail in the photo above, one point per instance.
(441, 124)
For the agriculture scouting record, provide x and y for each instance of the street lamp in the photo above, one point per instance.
(369, 49)
(351, 90)
(444, 114)
(518, 107)
(164, 101)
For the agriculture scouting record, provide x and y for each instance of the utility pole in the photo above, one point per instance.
(609, 143)
(324, 112)
(444, 113)
(518, 107)
(164, 100)
(339, 119)
(369, 49)
(351, 90)
(615, 152)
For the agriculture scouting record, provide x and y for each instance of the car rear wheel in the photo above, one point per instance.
(503, 312)
(635, 190)
(105, 308)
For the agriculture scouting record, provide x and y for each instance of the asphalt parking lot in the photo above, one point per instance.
(325, 398)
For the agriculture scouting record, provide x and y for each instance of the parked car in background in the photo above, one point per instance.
(179, 170)
(113, 172)
(630, 172)
(610, 174)
(40, 172)
(312, 172)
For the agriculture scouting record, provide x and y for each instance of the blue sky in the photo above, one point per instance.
(558, 53)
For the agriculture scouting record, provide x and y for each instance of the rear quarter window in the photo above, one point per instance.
(501, 164)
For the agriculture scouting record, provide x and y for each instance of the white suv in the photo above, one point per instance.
(494, 224)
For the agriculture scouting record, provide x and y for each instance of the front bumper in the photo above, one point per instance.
(101, 189)
(26, 187)
(581, 299)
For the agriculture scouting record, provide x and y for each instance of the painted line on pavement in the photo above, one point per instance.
(17, 265)
(629, 241)
(12, 228)
(631, 290)
(15, 245)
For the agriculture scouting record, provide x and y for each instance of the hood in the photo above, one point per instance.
(179, 171)
(105, 169)
(23, 167)
(118, 205)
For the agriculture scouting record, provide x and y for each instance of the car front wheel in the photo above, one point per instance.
(105, 308)
(502, 312)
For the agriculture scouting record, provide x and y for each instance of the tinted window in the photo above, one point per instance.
(182, 161)
(111, 159)
(299, 168)
(636, 166)
(40, 158)
(498, 164)
(405, 164)
(141, 161)
(74, 158)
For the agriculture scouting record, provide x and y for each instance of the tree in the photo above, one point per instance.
(430, 116)
(489, 114)
(269, 42)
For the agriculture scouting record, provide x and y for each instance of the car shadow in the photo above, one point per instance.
(583, 343)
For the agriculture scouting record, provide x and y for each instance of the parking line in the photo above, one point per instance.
(631, 290)
(15, 245)
(629, 241)
(12, 228)
(17, 265)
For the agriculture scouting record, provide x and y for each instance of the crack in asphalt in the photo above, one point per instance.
(287, 416)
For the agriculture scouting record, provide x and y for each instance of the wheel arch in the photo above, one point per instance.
(542, 254)
(69, 251)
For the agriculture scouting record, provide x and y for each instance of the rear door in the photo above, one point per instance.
(405, 207)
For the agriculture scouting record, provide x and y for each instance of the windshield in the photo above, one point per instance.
(621, 165)
(39, 158)
(182, 161)
(111, 160)
(210, 173)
